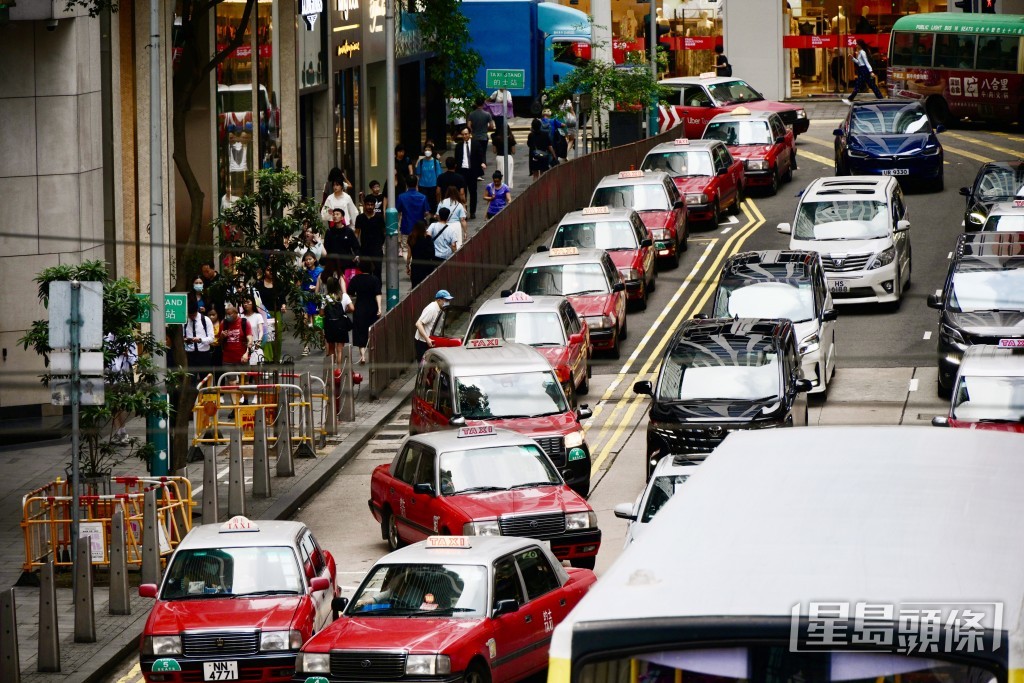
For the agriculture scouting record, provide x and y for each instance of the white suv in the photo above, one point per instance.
(859, 226)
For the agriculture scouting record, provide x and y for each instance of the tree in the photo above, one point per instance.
(445, 32)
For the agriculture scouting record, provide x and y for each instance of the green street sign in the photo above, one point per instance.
(164, 665)
(175, 309)
(512, 79)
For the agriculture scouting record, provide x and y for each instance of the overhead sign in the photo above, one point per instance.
(311, 10)
(175, 309)
(90, 315)
(511, 79)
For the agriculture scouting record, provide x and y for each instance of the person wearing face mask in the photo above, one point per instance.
(428, 168)
(235, 339)
(197, 288)
(198, 337)
(426, 321)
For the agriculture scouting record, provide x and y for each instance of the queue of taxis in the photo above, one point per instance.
(761, 142)
(705, 173)
(654, 196)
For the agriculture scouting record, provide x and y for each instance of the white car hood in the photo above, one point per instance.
(842, 247)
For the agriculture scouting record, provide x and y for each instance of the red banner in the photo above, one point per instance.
(621, 47)
(879, 40)
(691, 42)
(245, 51)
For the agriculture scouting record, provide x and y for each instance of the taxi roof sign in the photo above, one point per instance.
(740, 111)
(708, 74)
(591, 210)
(1018, 203)
(519, 297)
(487, 343)
(565, 251)
(457, 542)
(682, 141)
(478, 430)
(631, 174)
(238, 523)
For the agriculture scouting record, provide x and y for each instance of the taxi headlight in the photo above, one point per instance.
(600, 322)
(810, 344)
(756, 164)
(629, 273)
(487, 527)
(882, 258)
(696, 198)
(659, 234)
(573, 440)
(278, 641)
(313, 662)
(801, 114)
(575, 521)
(428, 665)
(161, 645)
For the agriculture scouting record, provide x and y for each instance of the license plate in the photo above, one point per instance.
(1011, 343)
(838, 286)
(220, 671)
(896, 171)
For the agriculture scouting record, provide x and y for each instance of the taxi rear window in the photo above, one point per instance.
(739, 132)
(680, 164)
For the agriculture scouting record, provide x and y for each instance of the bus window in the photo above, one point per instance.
(954, 51)
(905, 47)
(997, 53)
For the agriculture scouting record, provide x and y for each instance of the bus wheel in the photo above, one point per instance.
(938, 111)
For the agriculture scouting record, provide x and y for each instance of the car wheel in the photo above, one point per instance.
(685, 245)
(734, 209)
(792, 158)
(477, 673)
(584, 562)
(944, 391)
(788, 176)
(807, 422)
(642, 304)
(773, 189)
(941, 184)
(653, 283)
(391, 531)
(910, 267)
(898, 286)
(716, 214)
(624, 335)
(584, 388)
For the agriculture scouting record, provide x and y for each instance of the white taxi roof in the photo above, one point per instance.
(609, 216)
(539, 304)
(271, 533)
(1011, 208)
(443, 441)
(693, 80)
(869, 188)
(694, 145)
(509, 358)
(485, 550)
(992, 361)
(648, 178)
(546, 258)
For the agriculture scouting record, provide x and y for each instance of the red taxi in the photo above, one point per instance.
(237, 602)
(502, 384)
(656, 199)
(705, 173)
(447, 609)
(989, 388)
(701, 98)
(591, 282)
(481, 481)
(620, 232)
(760, 141)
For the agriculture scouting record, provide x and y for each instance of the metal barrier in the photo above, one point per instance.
(497, 244)
(46, 519)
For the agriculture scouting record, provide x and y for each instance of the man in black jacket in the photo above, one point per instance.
(469, 165)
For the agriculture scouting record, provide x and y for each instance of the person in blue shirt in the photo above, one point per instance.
(497, 195)
(428, 168)
(412, 206)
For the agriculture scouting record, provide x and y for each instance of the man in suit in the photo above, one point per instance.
(469, 165)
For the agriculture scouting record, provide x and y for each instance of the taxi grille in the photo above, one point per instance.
(220, 643)
(552, 445)
(368, 666)
(533, 526)
(846, 264)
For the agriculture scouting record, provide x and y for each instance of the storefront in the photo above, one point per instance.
(313, 74)
(349, 27)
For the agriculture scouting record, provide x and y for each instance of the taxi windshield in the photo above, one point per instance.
(845, 220)
(740, 132)
(1005, 223)
(422, 590)
(607, 235)
(536, 329)
(723, 373)
(503, 467)
(892, 120)
(647, 197)
(232, 572)
(662, 489)
(680, 164)
(988, 290)
(565, 280)
(734, 92)
(793, 299)
(989, 399)
(510, 395)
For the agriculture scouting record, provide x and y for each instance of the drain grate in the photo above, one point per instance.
(387, 437)
(383, 450)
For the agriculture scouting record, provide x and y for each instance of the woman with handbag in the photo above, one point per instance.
(336, 307)
(259, 329)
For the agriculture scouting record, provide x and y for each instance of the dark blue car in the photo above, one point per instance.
(890, 137)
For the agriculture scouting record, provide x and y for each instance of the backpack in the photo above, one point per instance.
(727, 69)
(428, 170)
(335, 316)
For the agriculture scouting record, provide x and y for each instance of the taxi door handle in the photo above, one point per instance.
(562, 602)
(529, 618)
(392, 490)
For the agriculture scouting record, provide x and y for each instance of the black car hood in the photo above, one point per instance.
(989, 323)
(713, 411)
(882, 145)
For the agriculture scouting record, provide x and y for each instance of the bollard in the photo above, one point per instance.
(283, 431)
(85, 614)
(260, 458)
(330, 403)
(48, 652)
(348, 405)
(236, 475)
(305, 449)
(10, 664)
(150, 539)
(119, 601)
(211, 503)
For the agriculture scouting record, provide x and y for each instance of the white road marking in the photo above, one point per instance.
(220, 475)
(949, 255)
(725, 230)
(730, 219)
(913, 384)
(927, 335)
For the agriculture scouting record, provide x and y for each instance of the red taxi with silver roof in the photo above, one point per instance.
(704, 172)
(237, 601)
(655, 197)
(760, 141)
(447, 609)
(481, 481)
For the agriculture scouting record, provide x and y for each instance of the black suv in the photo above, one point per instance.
(719, 375)
(982, 301)
(997, 181)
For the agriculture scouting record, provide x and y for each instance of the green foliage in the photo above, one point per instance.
(445, 32)
(93, 6)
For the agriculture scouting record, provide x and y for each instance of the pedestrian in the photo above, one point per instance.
(451, 177)
(480, 122)
(428, 168)
(365, 291)
(498, 140)
(722, 65)
(197, 293)
(335, 175)
(456, 211)
(497, 194)
(309, 284)
(572, 128)
(553, 127)
(419, 263)
(470, 166)
(236, 338)
(380, 200)
(308, 242)
(372, 234)
(339, 199)
(198, 333)
(541, 152)
(216, 357)
(124, 355)
(403, 169)
(425, 323)
(412, 206)
(274, 305)
(444, 236)
(258, 326)
(335, 309)
(456, 117)
(214, 288)
(342, 247)
(865, 74)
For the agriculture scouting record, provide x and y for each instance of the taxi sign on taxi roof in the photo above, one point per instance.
(708, 74)
(478, 430)
(519, 297)
(740, 111)
(591, 210)
(239, 523)
(631, 174)
(682, 141)
(459, 542)
(565, 251)
(488, 343)
(1018, 203)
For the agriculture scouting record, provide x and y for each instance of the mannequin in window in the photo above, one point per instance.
(840, 24)
(863, 23)
(701, 59)
(628, 27)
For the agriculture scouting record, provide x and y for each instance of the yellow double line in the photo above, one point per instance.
(621, 418)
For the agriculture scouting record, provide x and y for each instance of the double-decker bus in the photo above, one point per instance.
(964, 66)
(819, 555)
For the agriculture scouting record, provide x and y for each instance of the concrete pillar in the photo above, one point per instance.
(601, 31)
(260, 457)
(150, 539)
(283, 431)
(753, 42)
(10, 664)
(85, 613)
(119, 601)
(211, 502)
(236, 475)
(48, 652)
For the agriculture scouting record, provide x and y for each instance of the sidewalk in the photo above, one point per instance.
(23, 469)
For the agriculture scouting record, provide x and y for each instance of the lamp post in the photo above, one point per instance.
(391, 214)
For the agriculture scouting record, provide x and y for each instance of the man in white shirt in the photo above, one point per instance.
(426, 321)
(198, 335)
(444, 234)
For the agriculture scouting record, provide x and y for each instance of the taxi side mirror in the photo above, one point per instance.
(680, 204)
(618, 287)
(723, 171)
(339, 604)
(785, 229)
(648, 242)
(829, 314)
(147, 590)
(702, 316)
(803, 385)
(541, 248)
(576, 338)
(940, 128)
(457, 421)
(625, 511)
(643, 387)
(423, 488)
(965, 192)
(707, 104)
(779, 140)
(506, 293)
(584, 412)
(940, 421)
(319, 584)
(505, 607)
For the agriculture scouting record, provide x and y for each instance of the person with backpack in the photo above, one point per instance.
(444, 237)
(335, 309)
(552, 126)
(722, 65)
(541, 152)
(198, 335)
(420, 260)
(428, 168)
(365, 289)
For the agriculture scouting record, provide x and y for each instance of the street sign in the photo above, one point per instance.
(90, 363)
(512, 79)
(175, 309)
(90, 312)
(91, 391)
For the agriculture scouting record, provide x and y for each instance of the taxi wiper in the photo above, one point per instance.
(588, 291)
(551, 343)
(619, 248)
(533, 484)
(439, 610)
(279, 591)
(478, 489)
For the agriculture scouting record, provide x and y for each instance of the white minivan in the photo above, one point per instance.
(859, 226)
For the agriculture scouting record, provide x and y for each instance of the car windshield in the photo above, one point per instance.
(695, 373)
(662, 488)
(989, 398)
(542, 328)
(680, 164)
(565, 280)
(793, 299)
(503, 467)
(221, 572)
(984, 290)
(1000, 183)
(897, 120)
(508, 395)
(740, 132)
(842, 220)
(1007, 223)
(647, 197)
(734, 92)
(422, 590)
(610, 235)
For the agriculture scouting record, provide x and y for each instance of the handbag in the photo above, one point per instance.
(256, 356)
